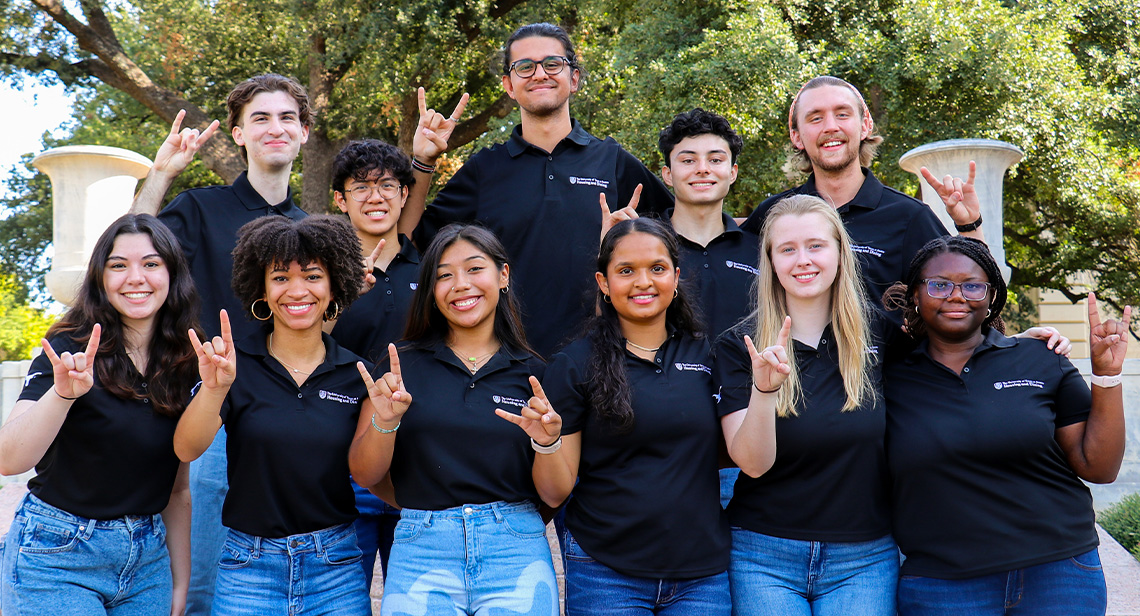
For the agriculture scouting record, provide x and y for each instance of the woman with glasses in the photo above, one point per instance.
(988, 439)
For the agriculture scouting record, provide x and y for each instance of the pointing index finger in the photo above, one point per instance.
(536, 387)
(227, 332)
(1094, 314)
(422, 98)
(930, 179)
(376, 251)
(176, 126)
(785, 332)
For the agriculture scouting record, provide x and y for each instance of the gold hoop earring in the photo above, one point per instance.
(674, 292)
(253, 310)
(336, 312)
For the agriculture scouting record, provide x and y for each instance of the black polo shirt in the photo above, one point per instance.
(111, 458)
(647, 502)
(980, 484)
(544, 208)
(287, 446)
(887, 229)
(829, 480)
(206, 222)
(722, 274)
(452, 449)
(380, 315)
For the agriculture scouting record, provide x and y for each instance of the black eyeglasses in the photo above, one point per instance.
(551, 65)
(387, 190)
(942, 289)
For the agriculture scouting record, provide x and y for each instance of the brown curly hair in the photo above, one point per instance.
(277, 241)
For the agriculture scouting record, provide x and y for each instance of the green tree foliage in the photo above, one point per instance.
(21, 326)
(1061, 80)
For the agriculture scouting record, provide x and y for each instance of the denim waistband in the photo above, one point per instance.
(315, 541)
(497, 510)
(33, 505)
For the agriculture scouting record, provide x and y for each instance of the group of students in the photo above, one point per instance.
(863, 385)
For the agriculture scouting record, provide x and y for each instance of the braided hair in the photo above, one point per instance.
(901, 294)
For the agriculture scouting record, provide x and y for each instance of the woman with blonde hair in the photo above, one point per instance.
(805, 423)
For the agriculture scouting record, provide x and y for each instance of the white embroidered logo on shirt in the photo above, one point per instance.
(508, 400)
(692, 367)
(742, 266)
(335, 397)
(1021, 383)
(28, 379)
(868, 250)
(580, 181)
(413, 285)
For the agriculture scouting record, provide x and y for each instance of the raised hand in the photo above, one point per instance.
(771, 367)
(960, 198)
(434, 129)
(387, 393)
(369, 265)
(538, 418)
(74, 373)
(180, 146)
(629, 212)
(1108, 340)
(217, 358)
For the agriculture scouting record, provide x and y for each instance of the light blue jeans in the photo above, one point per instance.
(476, 559)
(208, 487)
(1067, 587)
(58, 564)
(313, 573)
(593, 588)
(772, 576)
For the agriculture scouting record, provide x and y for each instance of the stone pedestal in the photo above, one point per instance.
(952, 157)
(91, 186)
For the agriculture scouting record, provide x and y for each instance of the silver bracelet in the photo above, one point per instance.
(551, 448)
(382, 430)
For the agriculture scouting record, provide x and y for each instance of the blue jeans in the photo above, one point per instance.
(374, 529)
(58, 564)
(788, 577)
(475, 559)
(312, 573)
(208, 487)
(1069, 587)
(593, 588)
(727, 485)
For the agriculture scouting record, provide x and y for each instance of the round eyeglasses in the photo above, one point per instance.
(551, 65)
(942, 289)
(387, 190)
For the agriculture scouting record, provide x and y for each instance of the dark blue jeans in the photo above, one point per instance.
(593, 588)
(1068, 587)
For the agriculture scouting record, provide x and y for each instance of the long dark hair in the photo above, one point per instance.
(607, 382)
(172, 366)
(427, 325)
(901, 294)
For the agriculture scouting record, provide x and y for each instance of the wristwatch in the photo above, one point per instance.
(1106, 381)
(966, 228)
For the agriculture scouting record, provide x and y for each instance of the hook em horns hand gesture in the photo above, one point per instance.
(629, 212)
(217, 358)
(770, 367)
(960, 198)
(74, 372)
(387, 393)
(537, 418)
(434, 130)
(1108, 340)
(180, 146)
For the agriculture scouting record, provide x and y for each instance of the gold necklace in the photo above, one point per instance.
(475, 360)
(638, 346)
(282, 361)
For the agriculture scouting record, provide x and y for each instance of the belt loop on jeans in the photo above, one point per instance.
(318, 545)
(256, 546)
(498, 514)
(86, 527)
(427, 518)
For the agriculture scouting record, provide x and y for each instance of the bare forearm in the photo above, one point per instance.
(553, 477)
(415, 204)
(176, 517)
(1102, 447)
(153, 191)
(370, 455)
(30, 431)
(199, 424)
(753, 446)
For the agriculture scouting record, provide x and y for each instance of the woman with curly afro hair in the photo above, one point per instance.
(289, 419)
